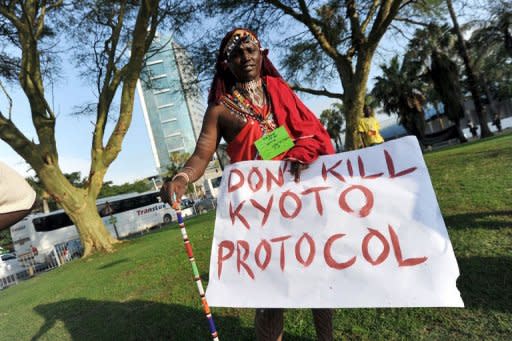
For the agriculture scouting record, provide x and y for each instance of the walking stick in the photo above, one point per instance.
(197, 277)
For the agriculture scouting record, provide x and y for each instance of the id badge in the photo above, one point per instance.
(274, 143)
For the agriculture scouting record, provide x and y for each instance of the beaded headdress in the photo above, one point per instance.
(239, 37)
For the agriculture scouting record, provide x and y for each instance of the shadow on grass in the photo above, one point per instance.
(485, 282)
(137, 320)
(111, 264)
(489, 220)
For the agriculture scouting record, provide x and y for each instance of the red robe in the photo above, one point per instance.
(309, 135)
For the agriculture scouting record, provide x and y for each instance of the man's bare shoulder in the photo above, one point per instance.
(215, 110)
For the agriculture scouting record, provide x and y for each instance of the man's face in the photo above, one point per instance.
(245, 62)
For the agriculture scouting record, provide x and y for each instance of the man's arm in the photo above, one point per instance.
(195, 166)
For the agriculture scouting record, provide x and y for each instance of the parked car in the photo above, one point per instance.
(9, 265)
(204, 205)
(186, 203)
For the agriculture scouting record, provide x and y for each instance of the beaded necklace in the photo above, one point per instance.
(242, 106)
(252, 89)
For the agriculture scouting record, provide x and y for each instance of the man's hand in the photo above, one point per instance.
(296, 168)
(172, 191)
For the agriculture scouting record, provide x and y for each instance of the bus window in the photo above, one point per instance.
(51, 222)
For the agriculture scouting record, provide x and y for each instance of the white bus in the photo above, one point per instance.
(123, 215)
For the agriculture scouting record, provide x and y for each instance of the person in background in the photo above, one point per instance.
(368, 128)
(497, 121)
(249, 99)
(16, 197)
(472, 128)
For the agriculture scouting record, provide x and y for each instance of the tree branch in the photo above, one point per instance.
(15, 138)
(149, 8)
(411, 21)
(387, 12)
(323, 92)
(9, 99)
(310, 23)
(355, 26)
(369, 17)
(111, 82)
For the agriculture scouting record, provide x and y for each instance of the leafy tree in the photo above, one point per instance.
(178, 160)
(108, 189)
(332, 119)
(5, 239)
(400, 91)
(335, 40)
(110, 40)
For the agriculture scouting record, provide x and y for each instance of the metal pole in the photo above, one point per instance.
(197, 277)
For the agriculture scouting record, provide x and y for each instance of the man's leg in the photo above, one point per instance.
(323, 324)
(269, 324)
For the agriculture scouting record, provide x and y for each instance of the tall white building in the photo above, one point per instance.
(172, 106)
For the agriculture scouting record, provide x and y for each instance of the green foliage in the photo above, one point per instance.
(333, 121)
(177, 160)
(145, 291)
(139, 186)
(490, 48)
(5, 238)
(400, 91)
(445, 76)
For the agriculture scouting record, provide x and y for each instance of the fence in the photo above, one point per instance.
(59, 255)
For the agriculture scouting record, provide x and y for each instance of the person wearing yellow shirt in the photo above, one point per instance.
(368, 128)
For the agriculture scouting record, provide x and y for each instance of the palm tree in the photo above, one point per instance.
(445, 77)
(432, 51)
(333, 121)
(490, 48)
(470, 74)
(400, 92)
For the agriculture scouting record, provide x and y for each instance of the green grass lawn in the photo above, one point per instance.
(144, 291)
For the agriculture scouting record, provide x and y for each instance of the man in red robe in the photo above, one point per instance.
(249, 99)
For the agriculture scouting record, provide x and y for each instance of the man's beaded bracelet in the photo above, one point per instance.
(183, 174)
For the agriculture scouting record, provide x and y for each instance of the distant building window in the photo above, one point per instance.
(170, 128)
(160, 83)
(166, 114)
(163, 98)
(165, 105)
(158, 92)
(174, 142)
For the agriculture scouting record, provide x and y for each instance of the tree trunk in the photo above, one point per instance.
(354, 103)
(470, 74)
(93, 234)
(80, 206)
(460, 134)
(490, 97)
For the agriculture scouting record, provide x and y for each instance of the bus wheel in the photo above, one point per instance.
(167, 219)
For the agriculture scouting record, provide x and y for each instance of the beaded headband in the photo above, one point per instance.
(237, 38)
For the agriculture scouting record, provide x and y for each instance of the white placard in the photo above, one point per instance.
(360, 229)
